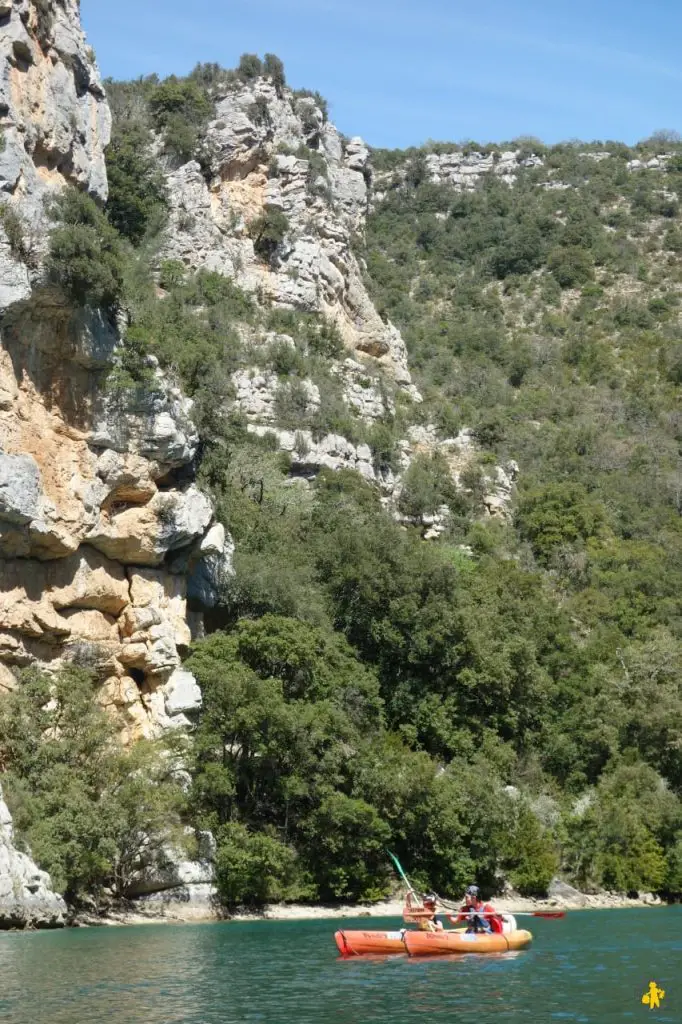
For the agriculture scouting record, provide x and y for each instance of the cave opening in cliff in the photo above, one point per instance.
(138, 675)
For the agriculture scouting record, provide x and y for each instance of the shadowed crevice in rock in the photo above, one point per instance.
(62, 353)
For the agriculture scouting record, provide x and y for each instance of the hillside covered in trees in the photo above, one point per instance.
(501, 702)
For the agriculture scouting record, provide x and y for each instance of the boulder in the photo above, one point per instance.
(26, 897)
(564, 894)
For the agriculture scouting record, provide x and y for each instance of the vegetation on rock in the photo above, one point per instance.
(504, 702)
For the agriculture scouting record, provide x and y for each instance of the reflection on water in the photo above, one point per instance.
(591, 967)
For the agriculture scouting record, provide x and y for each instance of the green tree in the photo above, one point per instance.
(559, 514)
(92, 812)
(137, 196)
(250, 67)
(86, 257)
(571, 265)
(180, 108)
(268, 232)
(532, 860)
(273, 68)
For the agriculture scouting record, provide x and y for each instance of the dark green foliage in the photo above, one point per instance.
(250, 67)
(90, 811)
(319, 101)
(202, 349)
(267, 232)
(273, 68)
(86, 258)
(427, 485)
(44, 21)
(558, 515)
(179, 109)
(19, 236)
(255, 867)
(137, 197)
(571, 266)
(259, 112)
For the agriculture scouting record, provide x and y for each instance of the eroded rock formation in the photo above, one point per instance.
(26, 897)
(105, 540)
(265, 152)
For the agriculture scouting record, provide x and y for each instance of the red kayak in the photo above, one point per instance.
(460, 941)
(361, 943)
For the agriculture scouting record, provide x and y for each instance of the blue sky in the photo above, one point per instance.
(399, 72)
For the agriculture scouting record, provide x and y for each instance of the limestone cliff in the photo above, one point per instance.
(268, 150)
(104, 537)
(26, 899)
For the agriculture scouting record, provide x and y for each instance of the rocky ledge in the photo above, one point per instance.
(26, 896)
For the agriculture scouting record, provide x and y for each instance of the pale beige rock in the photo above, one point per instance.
(8, 681)
(92, 626)
(88, 580)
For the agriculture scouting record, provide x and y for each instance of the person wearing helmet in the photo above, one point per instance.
(430, 923)
(479, 916)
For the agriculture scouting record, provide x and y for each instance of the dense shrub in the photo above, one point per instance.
(92, 812)
(180, 108)
(268, 232)
(137, 196)
(250, 67)
(273, 68)
(86, 257)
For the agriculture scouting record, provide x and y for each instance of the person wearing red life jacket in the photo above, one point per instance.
(479, 916)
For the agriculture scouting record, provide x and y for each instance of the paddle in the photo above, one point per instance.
(402, 874)
(449, 905)
(551, 914)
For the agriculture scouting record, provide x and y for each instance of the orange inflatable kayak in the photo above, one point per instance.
(360, 943)
(458, 941)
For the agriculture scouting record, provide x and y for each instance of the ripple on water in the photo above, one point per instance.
(590, 967)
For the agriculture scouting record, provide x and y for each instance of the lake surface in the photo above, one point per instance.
(591, 966)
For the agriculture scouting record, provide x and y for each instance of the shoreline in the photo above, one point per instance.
(178, 914)
(394, 908)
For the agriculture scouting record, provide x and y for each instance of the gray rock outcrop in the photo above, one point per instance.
(26, 896)
(294, 162)
(333, 451)
(56, 124)
(101, 524)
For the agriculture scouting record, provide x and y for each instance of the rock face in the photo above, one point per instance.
(55, 122)
(177, 888)
(309, 455)
(26, 897)
(104, 538)
(289, 160)
(464, 170)
(99, 529)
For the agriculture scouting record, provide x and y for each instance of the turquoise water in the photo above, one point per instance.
(592, 966)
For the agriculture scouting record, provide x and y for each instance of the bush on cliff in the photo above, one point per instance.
(137, 196)
(91, 811)
(86, 256)
(180, 108)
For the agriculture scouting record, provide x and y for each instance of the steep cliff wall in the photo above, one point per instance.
(26, 900)
(104, 538)
(267, 150)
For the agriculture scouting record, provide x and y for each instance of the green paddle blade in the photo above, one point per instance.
(400, 871)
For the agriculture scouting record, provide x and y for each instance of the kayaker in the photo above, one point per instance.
(479, 916)
(430, 923)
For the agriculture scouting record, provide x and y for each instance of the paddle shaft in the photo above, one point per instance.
(522, 913)
(400, 871)
(454, 906)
